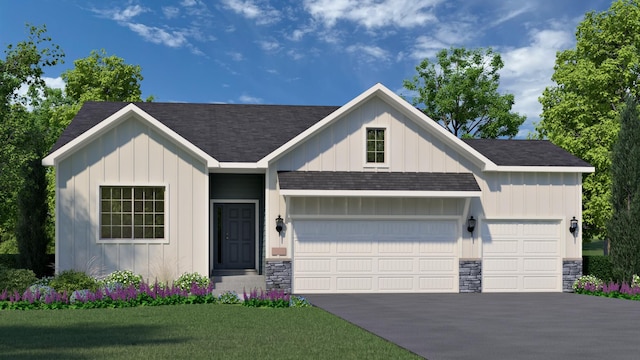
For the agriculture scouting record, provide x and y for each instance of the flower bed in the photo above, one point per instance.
(591, 285)
(125, 289)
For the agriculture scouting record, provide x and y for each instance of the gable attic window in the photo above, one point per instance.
(375, 145)
(132, 212)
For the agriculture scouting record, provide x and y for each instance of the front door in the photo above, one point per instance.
(234, 236)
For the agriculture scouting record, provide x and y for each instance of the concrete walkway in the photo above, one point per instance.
(496, 326)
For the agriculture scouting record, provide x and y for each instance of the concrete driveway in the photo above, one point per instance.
(496, 326)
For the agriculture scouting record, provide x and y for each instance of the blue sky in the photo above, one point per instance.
(322, 52)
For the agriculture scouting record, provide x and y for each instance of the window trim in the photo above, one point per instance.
(98, 223)
(387, 154)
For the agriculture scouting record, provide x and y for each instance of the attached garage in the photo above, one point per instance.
(521, 256)
(375, 256)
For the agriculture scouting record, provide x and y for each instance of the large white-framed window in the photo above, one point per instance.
(132, 213)
(376, 146)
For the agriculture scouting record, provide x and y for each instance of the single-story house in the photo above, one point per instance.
(372, 196)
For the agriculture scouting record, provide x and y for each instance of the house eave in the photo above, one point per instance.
(541, 169)
(380, 193)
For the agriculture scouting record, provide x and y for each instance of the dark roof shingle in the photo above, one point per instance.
(525, 153)
(393, 181)
(227, 132)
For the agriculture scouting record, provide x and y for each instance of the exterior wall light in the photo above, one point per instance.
(574, 225)
(279, 224)
(471, 224)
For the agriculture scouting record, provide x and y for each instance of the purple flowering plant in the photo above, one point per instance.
(591, 285)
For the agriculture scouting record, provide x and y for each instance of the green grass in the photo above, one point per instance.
(188, 332)
(593, 248)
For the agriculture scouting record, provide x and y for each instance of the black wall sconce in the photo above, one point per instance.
(574, 225)
(279, 224)
(471, 224)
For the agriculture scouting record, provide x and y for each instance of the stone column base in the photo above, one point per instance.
(571, 271)
(278, 275)
(470, 273)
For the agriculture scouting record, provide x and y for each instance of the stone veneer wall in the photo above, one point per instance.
(278, 275)
(571, 271)
(470, 276)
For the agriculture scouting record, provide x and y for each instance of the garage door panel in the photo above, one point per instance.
(396, 283)
(394, 256)
(436, 284)
(500, 283)
(521, 255)
(354, 265)
(395, 247)
(499, 264)
(314, 247)
(437, 265)
(541, 265)
(395, 265)
(312, 284)
(538, 246)
(500, 246)
(547, 283)
(313, 265)
(354, 283)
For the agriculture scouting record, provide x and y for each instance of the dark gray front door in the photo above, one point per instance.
(234, 236)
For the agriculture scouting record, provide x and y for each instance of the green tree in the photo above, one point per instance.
(580, 112)
(99, 77)
(22, 65)
(460, 92)
(625, 191)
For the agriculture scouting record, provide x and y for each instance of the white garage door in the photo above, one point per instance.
(521, 256)
(341, 256)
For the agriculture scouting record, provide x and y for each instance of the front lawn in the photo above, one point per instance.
(207, 331)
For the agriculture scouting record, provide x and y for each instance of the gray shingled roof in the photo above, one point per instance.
(343, 180)
(247, 133)
(525, 153)
(227, 132)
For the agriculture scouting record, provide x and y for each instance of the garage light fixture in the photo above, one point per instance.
(279, 224)
(471, 224)
(574, 225)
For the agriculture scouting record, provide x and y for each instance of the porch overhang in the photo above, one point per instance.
(369, 184)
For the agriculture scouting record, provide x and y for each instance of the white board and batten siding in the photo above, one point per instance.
(130, 154)
(350, 256)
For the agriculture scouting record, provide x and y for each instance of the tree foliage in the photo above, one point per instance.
(625, 200)
(460, 92)
(580, 111)
(23, 65)
(99, 77)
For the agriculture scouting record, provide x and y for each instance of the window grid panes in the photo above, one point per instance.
(375, 145)
(133, 212)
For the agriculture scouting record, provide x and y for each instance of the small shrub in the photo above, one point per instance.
(299, 301)
(16, 279)
(599, 266)
(186, 280)
(79, 295)
(635, 283)
(71, 280)
(40, 291)
(125, 278)
(229, 297)
(587, 282)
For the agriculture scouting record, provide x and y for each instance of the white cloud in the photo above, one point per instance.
(528, 70)
(251, 10)
(519, 10)
(117, 14)
(269, 45)
(295, 55)
(369, 52)
(174, 39)
(170, 12)
(55, 83)
(188, 3)
(248, 99)
(426, 47)
(235, 56)
(374, 14)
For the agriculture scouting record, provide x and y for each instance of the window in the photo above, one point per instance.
(375, 145)
(132, 212)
